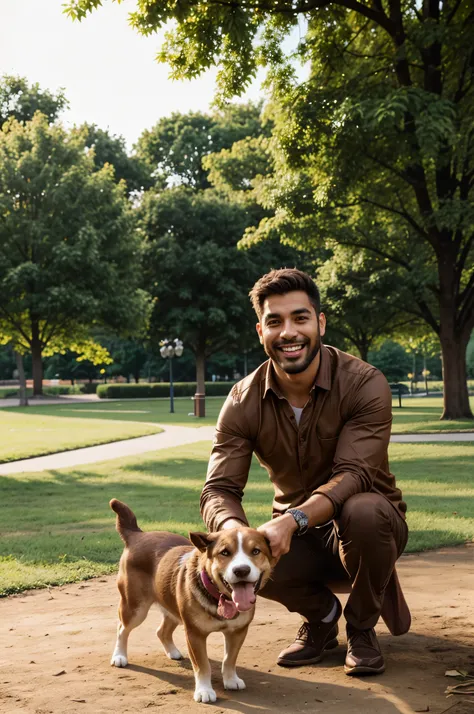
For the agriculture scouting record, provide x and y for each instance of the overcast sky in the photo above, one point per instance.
(107, 70)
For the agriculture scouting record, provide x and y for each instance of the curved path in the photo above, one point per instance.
(169, 437)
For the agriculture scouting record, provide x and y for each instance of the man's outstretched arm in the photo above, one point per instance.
(227, 474)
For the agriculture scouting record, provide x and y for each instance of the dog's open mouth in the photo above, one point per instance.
(243, 593)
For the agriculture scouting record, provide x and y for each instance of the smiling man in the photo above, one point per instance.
(319, 421)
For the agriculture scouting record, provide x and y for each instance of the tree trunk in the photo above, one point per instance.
(454, 342)
(456, 395)
(200, 371)
(37, 364)
(22, 379)
(363, 348)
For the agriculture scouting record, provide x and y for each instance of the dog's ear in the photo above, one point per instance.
(202, 540)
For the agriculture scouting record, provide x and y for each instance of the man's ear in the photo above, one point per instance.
(322, 324)
(258, 327)
(202, 540)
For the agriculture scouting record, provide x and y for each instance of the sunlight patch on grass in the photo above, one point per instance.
(25, 435)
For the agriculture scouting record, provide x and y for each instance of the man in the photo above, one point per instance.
(319, 421)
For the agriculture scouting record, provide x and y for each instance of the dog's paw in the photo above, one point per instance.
(204, 694)
(234, 683)
(119, 660)
(174, 653)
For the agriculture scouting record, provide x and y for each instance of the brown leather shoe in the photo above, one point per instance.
(312, 640)
(363, 652)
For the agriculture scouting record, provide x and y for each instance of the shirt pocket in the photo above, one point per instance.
(327, 449)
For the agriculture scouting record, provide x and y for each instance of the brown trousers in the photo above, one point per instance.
(361, 546)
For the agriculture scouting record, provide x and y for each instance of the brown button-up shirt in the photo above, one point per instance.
(339, 447)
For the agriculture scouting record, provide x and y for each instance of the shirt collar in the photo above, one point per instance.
(323, 378)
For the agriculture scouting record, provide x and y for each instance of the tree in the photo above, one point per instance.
(175, 147)
(363, 298)
(111, 149)
(392, 359)
(21, 101)
(70, 252)
(378, 141)
(194, 271)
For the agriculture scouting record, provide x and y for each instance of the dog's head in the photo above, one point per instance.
(239, 561)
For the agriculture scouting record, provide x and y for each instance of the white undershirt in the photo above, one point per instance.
(298, 412)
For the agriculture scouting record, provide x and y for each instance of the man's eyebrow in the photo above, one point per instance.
(299, 311)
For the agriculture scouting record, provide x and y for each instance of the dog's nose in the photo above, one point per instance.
(241, 571)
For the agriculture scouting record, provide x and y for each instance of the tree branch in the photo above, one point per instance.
(15, 324)
(404, 215)
(376, 15)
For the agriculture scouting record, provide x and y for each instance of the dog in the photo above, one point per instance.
(208, 583)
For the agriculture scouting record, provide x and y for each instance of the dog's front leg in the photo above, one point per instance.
(233, 642)
(202, 669)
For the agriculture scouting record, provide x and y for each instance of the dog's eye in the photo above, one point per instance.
(256, 551)
(225, 552)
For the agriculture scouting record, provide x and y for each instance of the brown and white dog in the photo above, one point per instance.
(208, 588)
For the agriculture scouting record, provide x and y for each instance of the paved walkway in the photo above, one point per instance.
(171, 436)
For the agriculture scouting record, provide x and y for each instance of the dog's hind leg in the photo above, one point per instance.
(129, 618)
(165, 634)
(233, 642)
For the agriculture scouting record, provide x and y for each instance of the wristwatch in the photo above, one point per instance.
(301, 519)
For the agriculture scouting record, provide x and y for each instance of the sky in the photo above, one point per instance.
(107, 70)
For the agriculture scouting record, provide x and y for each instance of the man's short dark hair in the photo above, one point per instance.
(280, 282)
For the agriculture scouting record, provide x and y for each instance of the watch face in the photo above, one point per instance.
(301, 519)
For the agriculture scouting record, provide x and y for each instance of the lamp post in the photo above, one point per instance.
(170, 349)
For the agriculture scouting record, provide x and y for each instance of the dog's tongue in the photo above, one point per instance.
(243, 595)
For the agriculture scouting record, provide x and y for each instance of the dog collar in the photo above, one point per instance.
(226, 608)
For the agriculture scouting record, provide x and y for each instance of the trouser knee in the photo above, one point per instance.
(364, 519)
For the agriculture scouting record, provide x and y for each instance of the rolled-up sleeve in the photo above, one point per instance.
(228, 468)
(363, 442)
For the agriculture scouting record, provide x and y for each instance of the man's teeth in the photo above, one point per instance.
(294, 348)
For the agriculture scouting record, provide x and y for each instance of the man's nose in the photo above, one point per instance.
(288, 331)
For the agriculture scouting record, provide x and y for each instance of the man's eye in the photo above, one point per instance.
(256, 551)
(225, 552)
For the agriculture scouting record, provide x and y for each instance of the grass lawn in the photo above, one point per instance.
(57, 527)
(421, 415)
(34, 433)
(140, 410)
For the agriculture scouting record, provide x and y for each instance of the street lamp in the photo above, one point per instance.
(170, 349)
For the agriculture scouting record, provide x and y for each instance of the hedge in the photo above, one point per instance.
(160, 389)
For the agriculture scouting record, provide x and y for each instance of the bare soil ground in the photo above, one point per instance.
(55, 649)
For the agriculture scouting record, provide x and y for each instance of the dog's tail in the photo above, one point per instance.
(126, 520)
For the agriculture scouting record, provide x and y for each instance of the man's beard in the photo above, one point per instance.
(298, 367)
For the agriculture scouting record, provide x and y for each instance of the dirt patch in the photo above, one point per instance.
(56, 646)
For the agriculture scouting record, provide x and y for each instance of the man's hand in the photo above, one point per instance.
(279, 532)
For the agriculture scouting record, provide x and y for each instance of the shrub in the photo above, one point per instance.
(89, 388)
(61, 389)
(160, 389)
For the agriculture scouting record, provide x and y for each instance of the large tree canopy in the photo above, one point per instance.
(379, 141)
(21, 100)
(175, 147)
(69, 250)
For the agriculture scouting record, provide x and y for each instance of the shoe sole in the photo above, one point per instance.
(355, 671)
(313, 660)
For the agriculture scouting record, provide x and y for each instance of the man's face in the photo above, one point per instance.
(290, 331)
